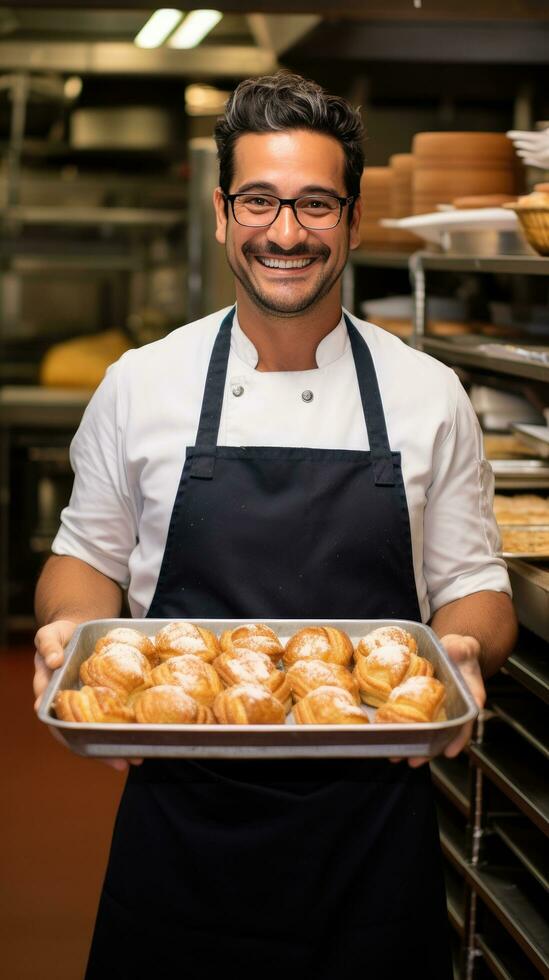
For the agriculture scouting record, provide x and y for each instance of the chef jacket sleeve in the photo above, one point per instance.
(461, 536)
(100, 523)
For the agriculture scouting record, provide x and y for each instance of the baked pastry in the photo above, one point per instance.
(253, 636)
(385, 668)
(168, 704)
(329, 705)
(192, 674)
(92, 704)
(248, 704)
(522, 508)
(418, 699)
(176, 639)
(249, 667)
(319, 643)
(120, 667)
(306, 675)
(383, 635)
(124, 634)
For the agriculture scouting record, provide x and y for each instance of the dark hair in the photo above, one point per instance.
(283, 101)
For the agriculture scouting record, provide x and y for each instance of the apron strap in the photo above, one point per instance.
(372, 406)
(203, 462)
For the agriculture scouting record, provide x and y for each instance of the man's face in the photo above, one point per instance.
(289, 165)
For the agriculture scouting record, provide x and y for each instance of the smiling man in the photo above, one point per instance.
(330, 472)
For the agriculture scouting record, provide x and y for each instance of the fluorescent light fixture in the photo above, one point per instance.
(158, 27)
(194, 28)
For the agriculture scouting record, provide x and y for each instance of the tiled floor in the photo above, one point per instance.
(56, 817)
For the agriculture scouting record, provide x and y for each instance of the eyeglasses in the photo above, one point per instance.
(316, 212)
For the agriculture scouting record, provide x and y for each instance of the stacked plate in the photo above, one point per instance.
(375, 191)
(450, 165)
(402, 167)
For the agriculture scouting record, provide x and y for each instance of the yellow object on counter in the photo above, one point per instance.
(82, 362)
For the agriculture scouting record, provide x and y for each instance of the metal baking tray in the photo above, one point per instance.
(537, 555)
(530, 584)
(520, 474)
(259, 741)
(536, 437)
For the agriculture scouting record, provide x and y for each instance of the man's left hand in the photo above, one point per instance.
(465, 652)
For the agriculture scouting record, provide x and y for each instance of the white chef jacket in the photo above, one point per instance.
(129, 451)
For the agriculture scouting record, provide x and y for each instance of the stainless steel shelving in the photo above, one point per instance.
(527, 717)
(509, 753)
(529, 665)
(528, 845)
(526, 265)
(509, 901)
(511, 747)
(510, 766)
(504, 959)
(466, 354)
(453, 778)
(94, 216)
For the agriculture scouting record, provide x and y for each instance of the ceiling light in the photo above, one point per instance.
(158, 27)
(194, 28)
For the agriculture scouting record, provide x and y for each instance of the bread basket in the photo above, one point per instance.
(533, 214)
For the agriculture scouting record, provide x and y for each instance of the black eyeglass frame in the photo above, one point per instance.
(291, 202)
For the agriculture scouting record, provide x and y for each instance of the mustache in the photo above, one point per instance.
(272, 250)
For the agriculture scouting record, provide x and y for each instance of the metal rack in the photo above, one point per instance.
(494, 801)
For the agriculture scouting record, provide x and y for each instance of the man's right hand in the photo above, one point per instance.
(50, 642)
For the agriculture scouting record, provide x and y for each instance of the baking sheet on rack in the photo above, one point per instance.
(525, 530)
(260, 741)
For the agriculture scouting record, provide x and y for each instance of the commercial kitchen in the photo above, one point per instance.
(107, 169)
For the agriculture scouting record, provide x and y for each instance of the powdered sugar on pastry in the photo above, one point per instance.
(316, 670)
(249, 667)
(416, 686)
(126, 657)
(384, 635)
(311, 645)
(389, 655)
(252, 691)
(188, 643)
(125, 635)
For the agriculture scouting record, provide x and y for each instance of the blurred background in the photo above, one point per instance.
(107, 165)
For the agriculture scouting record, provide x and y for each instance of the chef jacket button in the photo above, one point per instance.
(307, 395)
(237, 390)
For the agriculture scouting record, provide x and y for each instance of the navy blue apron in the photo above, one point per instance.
(312, 867)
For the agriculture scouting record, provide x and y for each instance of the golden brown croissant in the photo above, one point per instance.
(319, 643)
(93, 704)
(124, 634)
(253, 636)
(384, 635)
(417, 699)
(120, 667)
(249, 667)
(306, 675)
(329, 706)
(167, 704)
(189, 672)
(248, 704)
(176, 639)
(385, 668)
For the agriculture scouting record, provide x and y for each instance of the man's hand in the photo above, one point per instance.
(50, 642)
(465, 652)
